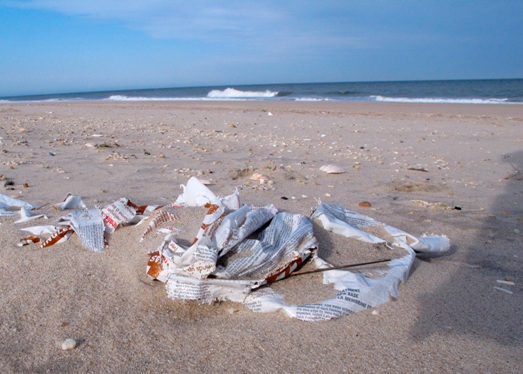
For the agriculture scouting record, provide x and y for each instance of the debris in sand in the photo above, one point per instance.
(504, 290)
(332, 169)
(70, 202)
(418, 169)
(262, 178)
(222, 264)
(69, 344)
(240, 248)
(364, 204)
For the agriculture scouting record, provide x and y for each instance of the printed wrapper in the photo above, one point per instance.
(118, 213)
(356, 291)
(71, 202)
(239, 264)
(89, 225)
(7, 204)
(26, 215)
(222, 263)
(233, 258)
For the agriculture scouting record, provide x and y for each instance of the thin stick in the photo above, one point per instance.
(515, 168)
(40, 207)
(340, 267)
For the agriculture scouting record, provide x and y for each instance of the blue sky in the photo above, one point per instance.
(51, 46)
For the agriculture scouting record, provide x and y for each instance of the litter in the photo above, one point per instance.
(240, 250)
(70, 202)
(91, 225)
(26, 215)
(7, 204)
(227, 262)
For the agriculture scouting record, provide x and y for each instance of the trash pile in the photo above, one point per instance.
(239, 250)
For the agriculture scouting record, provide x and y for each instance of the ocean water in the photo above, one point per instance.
(494, 91)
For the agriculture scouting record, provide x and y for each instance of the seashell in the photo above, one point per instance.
(332, 169)
(69, 344)
(364, 204)
(259, 177)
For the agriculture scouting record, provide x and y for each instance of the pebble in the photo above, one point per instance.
(69, 344)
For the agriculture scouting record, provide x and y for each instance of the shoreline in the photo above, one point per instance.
(347, 107)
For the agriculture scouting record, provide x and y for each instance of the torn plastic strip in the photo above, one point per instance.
(59, 236)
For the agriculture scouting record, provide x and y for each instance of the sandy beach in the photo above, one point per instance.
(454, 170)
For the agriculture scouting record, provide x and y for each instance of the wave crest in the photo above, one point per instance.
(233, 93)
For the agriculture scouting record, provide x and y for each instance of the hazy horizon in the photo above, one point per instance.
(53, 46)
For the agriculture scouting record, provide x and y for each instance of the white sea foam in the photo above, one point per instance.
(229, 93)
(138, 98)
(311, 99)
(438, 100)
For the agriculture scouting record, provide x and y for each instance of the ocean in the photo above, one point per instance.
(492, 91)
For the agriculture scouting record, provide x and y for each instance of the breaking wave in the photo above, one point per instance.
(233, 93)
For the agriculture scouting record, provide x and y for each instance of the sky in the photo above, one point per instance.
(60, 46)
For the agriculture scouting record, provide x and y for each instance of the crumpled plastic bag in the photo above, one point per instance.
(213, 269)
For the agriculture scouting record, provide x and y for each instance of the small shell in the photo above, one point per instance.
(364, 204)
(259, 177)
(332, 169)
(69, 344)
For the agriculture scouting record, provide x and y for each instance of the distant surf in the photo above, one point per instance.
(494, 91)
(233, 93)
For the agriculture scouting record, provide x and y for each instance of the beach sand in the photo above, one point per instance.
(449, 316)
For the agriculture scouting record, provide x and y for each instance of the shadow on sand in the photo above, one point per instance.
(468, 303)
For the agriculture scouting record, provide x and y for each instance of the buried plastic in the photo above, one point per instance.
(225, 263)
(239, 250)
(91, 225)
(8, 204)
